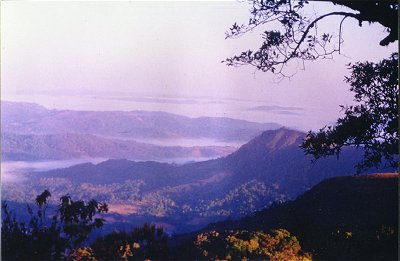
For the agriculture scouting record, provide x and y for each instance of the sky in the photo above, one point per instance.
(166, 56)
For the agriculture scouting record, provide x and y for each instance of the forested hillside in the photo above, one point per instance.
(270, 168)
(342, 218)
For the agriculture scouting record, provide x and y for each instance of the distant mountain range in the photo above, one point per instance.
(270, 168)
(31, 132)
(29, 118)
(27, 147)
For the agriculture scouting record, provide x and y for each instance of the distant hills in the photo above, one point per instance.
(29, 118)
(270, 168)
(28, 147)
(267, 183)
(31, 132)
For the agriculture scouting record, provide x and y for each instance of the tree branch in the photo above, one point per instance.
(312, 24)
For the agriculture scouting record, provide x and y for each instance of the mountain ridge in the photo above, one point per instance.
(71, 146)
(27, 118)
(188, 196)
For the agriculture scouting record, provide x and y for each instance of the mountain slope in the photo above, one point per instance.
(342, 218)
(275, 156)
(269, 168)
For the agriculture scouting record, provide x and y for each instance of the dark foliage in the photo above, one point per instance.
(143, 243)
(296, 37)
(77, 218)
(43, 239)
(372, 124)
(347, 218)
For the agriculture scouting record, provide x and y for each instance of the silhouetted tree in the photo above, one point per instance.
(297, 37)
(43, 239)
(372, 124)
(76, 218)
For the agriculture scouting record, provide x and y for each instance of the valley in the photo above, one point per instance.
(199, 130)
(187, 190)
(269, 168)
(31, 132)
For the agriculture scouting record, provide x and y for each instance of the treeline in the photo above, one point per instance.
(349, 218)
(64, 237)
(241, 200)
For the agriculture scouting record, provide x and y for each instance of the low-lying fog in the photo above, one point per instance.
(13, 171)
(17, 171)
(185, 142)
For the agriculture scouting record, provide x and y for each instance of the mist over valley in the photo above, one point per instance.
(157, 167)
(269, 168)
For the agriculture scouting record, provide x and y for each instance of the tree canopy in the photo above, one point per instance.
(279, 244)
(297, 37)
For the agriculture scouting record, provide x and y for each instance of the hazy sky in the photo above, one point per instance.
(171, 49)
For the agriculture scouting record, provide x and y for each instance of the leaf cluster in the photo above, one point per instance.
(372, 124)
(279, 244)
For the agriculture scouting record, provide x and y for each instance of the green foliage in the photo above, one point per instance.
(43, 239)
(242, 200)
(82, 254)
(244, 245)
(142, 243)
(372, 124)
